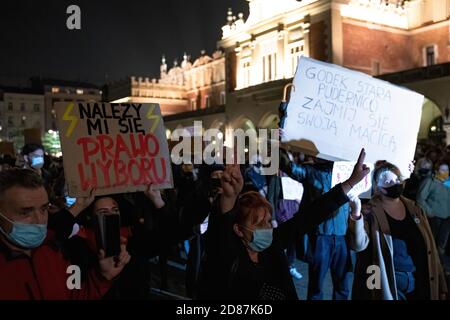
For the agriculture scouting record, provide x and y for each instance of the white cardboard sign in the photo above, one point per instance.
(342, 171)
(334, 112)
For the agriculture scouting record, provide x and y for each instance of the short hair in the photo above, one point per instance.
(17, 177)
(248, 203)
(31, 147)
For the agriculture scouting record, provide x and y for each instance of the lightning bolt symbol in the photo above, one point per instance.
(68, 117)
(151, 116)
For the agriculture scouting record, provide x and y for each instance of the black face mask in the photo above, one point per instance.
(424, 172)
(394, 191)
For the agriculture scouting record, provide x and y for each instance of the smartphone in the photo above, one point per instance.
(108, 233)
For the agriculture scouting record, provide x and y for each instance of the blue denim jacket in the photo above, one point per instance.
(318, 178)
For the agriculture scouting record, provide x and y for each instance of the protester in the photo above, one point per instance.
(211, 180)
(394, 240)
(422, 170)
(442, 174)
(32, 265)
(33, 156)
(245, 256)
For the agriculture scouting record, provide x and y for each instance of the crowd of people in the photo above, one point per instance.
(239, 236)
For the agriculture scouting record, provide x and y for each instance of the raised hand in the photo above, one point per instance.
(232, 184)
(360, 170)
(355, 207)
(82, 203)
(154, 196)
(232, 181)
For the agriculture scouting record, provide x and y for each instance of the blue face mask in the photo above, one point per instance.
(262, 239)
(70, 201)
(25, 235)
(37, 162)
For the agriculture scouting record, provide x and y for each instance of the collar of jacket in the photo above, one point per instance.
(380, 215)
(11, 254)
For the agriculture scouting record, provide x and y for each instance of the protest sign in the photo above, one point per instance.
(292, 190)
(114, 148)
(342, 170)
(334, 112)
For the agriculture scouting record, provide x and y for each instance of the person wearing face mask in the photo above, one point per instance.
(32, 263)
(245, 256)
(434, 198)
(442, 174)
(33, 155)
(394, 236)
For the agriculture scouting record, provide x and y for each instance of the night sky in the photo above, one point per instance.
(117, 38)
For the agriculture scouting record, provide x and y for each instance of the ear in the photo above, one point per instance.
(25, 157)
(237, 231)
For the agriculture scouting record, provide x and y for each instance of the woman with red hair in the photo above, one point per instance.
(245, 256)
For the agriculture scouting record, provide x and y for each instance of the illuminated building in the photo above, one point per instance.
(184, 89)
(20, 108)
(260, 56)
(373, 36)
(56, 90)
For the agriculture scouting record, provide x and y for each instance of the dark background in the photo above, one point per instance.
(117, 38)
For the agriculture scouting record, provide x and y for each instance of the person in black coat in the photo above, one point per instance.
(245, 256)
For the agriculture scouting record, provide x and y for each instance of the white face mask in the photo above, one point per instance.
(387, 179)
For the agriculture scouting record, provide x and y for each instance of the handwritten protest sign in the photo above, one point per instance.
(292, 190)
(342, 170)
(334, 112)
(113, 147)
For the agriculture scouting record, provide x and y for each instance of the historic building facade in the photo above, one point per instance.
(190, 88)
(241, 86)
(372, 36)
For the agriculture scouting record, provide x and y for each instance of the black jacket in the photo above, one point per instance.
(228, 271)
